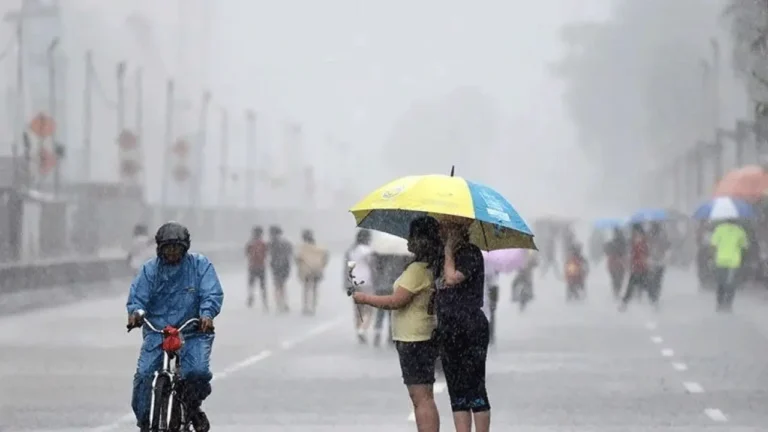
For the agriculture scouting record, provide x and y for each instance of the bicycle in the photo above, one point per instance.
(167, 410)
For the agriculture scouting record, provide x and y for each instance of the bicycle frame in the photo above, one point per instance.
(171, 369)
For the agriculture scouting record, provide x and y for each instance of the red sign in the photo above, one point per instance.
(42, 125)
(127, 140)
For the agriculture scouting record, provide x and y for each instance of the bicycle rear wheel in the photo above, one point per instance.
(159, 407)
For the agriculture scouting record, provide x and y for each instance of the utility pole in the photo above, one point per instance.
(87, 115)
(52, 102)
(120, 75)
(140, 127)
(224, 169)
(169, 110)
(25, 12)
(250, 150)
(197, 190)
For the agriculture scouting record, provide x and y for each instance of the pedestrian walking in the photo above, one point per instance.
(280, 257)
(616, 254)
(638, 276)
(658, 256)
(462, 328)
(311, 261)
(729, 241)
(413, 323)
(256, 252)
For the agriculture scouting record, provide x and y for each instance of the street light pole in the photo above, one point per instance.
(250, 144)
(87, 115)
(169, 110)
(224, 168)
(18, 17)
(52, 101)
(198, 176)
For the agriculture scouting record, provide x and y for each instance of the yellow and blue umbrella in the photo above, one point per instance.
(392, 207)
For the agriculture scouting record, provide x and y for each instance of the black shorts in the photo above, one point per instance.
(254, 274)
(417, 361)
(280, 275)
(464, 349)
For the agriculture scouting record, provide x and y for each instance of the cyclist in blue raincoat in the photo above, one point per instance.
(168, 290)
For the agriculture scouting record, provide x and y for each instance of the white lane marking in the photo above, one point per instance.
(666, 352)
(438, 388)
(650, 325)
(680, 366)
(243, 364)
(657, 339)
(693, 387)
(263, 355)
(715, 415)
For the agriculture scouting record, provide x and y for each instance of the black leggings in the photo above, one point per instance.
(463, 351)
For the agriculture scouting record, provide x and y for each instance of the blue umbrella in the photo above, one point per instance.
(650, 215)
(609, 223)
(724, 208)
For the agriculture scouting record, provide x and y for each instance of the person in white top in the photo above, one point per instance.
(142, 247)
(362, 254)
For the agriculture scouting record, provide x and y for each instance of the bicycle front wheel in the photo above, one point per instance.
(161, 392)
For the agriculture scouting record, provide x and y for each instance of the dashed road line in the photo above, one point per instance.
(667, 352)
(263, 355)
(243, 364)
(716, 415)
(437, 388)
(657, 339)
(680, 366)
(693, 387)
(650, 325)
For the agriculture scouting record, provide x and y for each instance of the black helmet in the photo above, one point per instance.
(172, 233)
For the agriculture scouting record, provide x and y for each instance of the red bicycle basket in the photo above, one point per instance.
(172, 341)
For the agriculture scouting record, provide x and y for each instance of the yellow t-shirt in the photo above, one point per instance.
(412, 323)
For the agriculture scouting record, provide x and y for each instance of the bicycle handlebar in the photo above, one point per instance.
(154, 329)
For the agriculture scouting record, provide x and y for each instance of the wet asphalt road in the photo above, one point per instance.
(557, 367)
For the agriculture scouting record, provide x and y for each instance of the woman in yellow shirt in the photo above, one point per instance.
(413, 321)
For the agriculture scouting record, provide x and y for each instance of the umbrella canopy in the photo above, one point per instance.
(505, 260)
(651, 215)
(724, 208)
(495, 224)
(747, 183)
(609, 223)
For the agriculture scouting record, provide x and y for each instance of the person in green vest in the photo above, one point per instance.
(730, 242)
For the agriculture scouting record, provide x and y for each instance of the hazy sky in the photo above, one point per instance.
(344, 69)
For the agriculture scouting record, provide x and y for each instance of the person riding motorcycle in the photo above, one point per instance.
(172, 288)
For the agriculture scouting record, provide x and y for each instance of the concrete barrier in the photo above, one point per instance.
(19, 277)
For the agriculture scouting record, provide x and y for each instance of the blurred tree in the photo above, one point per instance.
(634, 84)
(748, 24)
